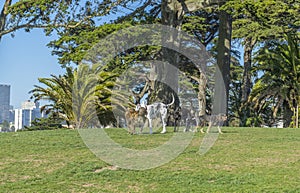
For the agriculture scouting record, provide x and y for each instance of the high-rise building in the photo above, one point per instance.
(24, 116)
(4, 102)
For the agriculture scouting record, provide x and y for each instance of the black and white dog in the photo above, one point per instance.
(157, 110)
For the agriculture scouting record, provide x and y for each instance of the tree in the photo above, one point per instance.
(255, 22)
(57, 15)
(234, 103)
(57, 90)
(48, 123)
(5, 126)
(280, 63)
(222, 73)
(173, 15)
(221, 94)
(91, 96)
(77, 96)
(203, 24)
(73, 44)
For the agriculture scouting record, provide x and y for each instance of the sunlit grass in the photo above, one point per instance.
(241, 160)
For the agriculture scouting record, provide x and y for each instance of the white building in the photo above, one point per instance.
(24, 116)
(29, 105)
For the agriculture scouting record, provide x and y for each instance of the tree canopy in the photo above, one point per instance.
(270, 26)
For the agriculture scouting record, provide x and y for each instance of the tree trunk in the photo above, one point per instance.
(246, 82)
(3, 15)
(297, 116)
(166, 73)
(202, 94)
(246, 87)
(287, 114)
(222, 75)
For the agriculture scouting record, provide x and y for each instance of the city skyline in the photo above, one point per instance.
(18, 118)
(20, 105)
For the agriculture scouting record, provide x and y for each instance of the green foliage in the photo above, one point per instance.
(261, 20)
(55, 15)
(234, 102)
(202, 24)
(279, 61)
(58, 91)
(73, 43)
(257, 22)
(49, 123)
(5, 126)
(81, 25)
(72, 46)
(75, 96)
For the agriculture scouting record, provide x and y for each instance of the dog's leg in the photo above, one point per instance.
(133, 132)
(150, 125)
(197, 124)
(177, 119)
(143, 125)
(189, 122)
(186, 125)
(185, 128)
(209, 126)
(204, 120)
(163, 114)
(202, 126)
(201, 130)
(219, 129)
(129, 129)
(164, 127)
(129, 125)
(175, 125)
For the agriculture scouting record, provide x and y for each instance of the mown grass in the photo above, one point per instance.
(241, 160)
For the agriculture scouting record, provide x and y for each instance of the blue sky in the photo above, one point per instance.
(23, 59)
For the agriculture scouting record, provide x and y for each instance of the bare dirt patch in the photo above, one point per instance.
(112, 168)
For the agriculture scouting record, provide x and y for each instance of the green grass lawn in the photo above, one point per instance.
(241, 160)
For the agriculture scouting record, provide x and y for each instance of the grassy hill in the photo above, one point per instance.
(241, 160)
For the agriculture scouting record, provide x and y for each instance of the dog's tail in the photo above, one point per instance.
(173, 100)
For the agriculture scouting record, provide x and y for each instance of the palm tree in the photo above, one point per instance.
(280, 63)
(78, 96)
(57, 90)
(92, 91)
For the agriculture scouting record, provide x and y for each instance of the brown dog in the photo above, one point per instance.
(134, 117)
(212, 120)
